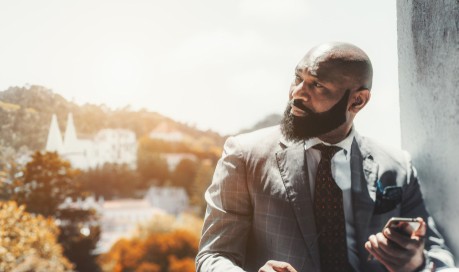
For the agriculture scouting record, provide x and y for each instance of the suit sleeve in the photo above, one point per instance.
(436, 253)
(228, 216)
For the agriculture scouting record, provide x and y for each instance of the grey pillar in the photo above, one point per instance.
(428, 52)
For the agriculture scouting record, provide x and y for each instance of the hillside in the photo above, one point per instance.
(25, 116)
(270, 120)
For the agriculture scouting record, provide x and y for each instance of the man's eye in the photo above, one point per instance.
(318, 85)
(298, 79)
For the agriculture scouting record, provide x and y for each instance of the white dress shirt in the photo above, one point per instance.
(341, 172)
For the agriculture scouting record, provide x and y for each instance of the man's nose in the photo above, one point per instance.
(300, 91)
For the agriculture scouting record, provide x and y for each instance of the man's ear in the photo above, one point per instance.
(359, 99)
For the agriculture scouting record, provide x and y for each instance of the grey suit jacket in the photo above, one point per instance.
(260, 208)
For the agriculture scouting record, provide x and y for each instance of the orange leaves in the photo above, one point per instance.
(28, 242)
(171, 251)
(181, 265)
(47, 181)
(148, 267)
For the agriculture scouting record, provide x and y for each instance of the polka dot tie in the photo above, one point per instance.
(329, 215)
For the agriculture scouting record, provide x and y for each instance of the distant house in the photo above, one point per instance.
(166, 132)
(119, 218)
(173, 200)
(107, 146)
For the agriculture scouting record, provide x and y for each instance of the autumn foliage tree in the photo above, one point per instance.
(161, 252)
(164, 244)
(28, 242)
(46, 182)
(201, 181)
(184, 174)
(152, 167)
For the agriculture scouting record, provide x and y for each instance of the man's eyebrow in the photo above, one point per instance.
(298, 70)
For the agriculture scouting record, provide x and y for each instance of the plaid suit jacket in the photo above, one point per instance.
(260, 207)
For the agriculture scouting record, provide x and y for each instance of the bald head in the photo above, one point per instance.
(339, 62)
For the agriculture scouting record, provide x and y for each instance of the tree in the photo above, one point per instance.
(184, 174)
(162, 252)
(152, 168)
(28, 242)
(181, 265)
(167, 223)
(201, 182)
(110, 181)
(164, 244)
(80, 232)
(46, 182)
(9, 168)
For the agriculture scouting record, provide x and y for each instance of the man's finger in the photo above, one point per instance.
(402, 240)
(277, 266)
(389, 249)
(288, 268)
(284, 267)
(421, 231)
(376, 254)
(379, 254)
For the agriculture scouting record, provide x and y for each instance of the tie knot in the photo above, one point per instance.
(327, 151)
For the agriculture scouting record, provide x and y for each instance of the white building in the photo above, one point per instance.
(120, 218)
(173, 200)
(107, 146)
(166, 132)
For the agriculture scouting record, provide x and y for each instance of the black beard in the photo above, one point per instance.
(298, 129)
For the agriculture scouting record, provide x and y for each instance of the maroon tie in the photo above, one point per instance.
(329, 215)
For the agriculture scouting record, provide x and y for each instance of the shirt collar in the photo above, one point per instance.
(345, 144)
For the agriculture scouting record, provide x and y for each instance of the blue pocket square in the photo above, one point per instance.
(387, 198)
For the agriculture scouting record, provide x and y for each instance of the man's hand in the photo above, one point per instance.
(398, 252)
(276, 266)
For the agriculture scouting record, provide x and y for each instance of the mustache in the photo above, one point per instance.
(297, 103)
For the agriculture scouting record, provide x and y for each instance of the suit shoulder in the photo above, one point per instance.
(257, 143)
(384, 153)
(261, 137)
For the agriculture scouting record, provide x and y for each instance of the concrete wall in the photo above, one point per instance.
(428, 46)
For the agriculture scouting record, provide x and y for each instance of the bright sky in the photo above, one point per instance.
(216, 64)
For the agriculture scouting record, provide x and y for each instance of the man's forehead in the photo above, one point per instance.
(308, 67)
(312, 60)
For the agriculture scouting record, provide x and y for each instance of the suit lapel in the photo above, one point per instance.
(292, 166)
(364, 172)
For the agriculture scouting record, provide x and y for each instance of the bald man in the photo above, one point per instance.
(312, 194)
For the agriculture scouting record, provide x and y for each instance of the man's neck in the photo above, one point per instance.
(336, 135)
